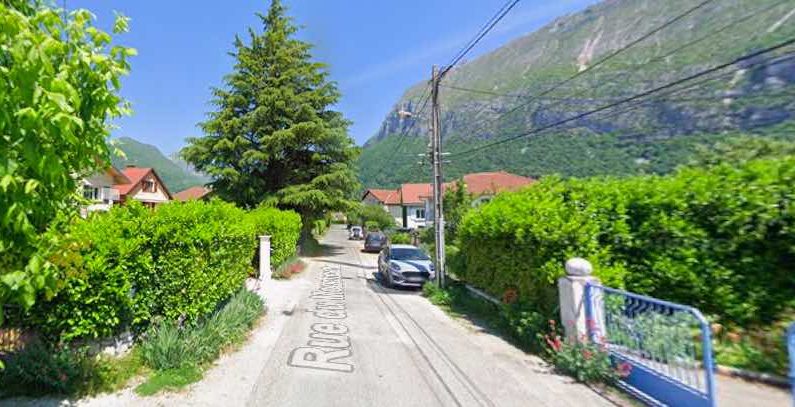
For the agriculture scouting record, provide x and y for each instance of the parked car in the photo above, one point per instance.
(404, 265)
(375, 242)
(356, 233)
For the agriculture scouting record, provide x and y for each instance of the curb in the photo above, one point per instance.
(766, 378)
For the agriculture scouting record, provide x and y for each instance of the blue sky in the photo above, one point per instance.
(375, 50)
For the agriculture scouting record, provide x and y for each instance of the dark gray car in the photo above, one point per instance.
(374, 242)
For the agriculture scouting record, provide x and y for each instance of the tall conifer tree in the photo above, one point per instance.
(274, 136)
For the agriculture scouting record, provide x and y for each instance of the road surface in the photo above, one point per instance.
(351, 342)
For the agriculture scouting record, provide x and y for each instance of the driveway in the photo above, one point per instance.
(351, 342)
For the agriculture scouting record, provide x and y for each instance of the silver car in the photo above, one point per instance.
(356, 233)
(404, 265)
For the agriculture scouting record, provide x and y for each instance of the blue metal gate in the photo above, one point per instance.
(668, 346)
(791, 347)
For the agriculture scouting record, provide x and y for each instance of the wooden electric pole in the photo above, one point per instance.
(436, 162)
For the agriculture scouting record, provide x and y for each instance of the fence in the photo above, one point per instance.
(667, 345)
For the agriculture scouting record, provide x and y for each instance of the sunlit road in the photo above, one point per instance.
(351, 342)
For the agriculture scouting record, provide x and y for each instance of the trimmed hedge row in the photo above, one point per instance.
(284, 227)
(720, 239)
(128, 267)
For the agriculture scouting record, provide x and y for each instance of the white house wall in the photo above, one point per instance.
(157, 197)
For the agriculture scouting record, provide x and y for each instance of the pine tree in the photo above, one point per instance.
(273, 136)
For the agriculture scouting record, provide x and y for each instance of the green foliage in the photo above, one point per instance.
(139, 154)
(758, 349)
(274, 135)
(42, 369)
(740, 150)
(319, 227)
(123, 269)
(179, 354)
(169, 380)
(515, 321)
(166, 346)
(364, 214)
(457, 202)
(718, 239)
(58, 90)
(400, 238)
(586, 361)
(284, 227)
(99, 262)
(371, 226)
(651, 138)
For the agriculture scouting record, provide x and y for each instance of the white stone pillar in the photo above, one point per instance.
(265, 272)
(571, 290)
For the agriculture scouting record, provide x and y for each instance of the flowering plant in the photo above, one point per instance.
(585, 360)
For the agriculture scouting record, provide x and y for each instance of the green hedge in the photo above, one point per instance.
(284, 227)
(128, 267)
(720, 239)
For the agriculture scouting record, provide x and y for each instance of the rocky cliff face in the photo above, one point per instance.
(756, 95)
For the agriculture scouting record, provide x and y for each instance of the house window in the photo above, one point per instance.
(419, 213)
(150, 185)
(90, 192)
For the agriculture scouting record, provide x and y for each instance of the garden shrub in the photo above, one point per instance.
(98, 262)
(284, 228)
(719, 239)
(400, 238)
(319, 227)
(167, 346)
(122, 269)
(45, 369)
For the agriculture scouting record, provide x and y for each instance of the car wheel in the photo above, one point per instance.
(388, 281)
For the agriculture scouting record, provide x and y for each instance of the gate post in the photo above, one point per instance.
(574, 291)
(265, 258)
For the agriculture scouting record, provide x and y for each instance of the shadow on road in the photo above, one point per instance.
(375, 282)
(343, 263)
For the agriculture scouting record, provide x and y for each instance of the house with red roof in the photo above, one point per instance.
(193, 193)
(144, 185)
(100, 191)
(412, 204)
(484, 185)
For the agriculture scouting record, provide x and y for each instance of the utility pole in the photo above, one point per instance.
(436, 162)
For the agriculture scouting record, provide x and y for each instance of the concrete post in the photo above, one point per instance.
(265, 272)
(571, 290)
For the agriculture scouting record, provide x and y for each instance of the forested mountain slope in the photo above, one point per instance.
(525, 86)
(175, 176)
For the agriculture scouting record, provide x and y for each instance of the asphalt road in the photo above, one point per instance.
(352, 342)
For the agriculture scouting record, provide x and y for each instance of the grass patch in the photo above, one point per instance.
(514, 322)
(169, 380)
(310, 247)
(42, 369)
(180, 355)
(290, 267)
(176, 356)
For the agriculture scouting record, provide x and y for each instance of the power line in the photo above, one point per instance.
(424, 97)
(590, 68)
(636, 96)
(501, 13)
(488, 26)
(688, 44)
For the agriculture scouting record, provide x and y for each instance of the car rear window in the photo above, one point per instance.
(376, 237)
(400, 253)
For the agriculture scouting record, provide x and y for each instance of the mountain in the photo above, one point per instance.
(505, 86)
(175, 176)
